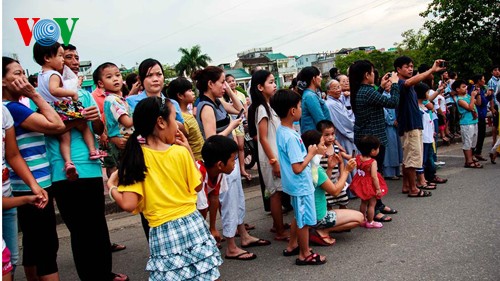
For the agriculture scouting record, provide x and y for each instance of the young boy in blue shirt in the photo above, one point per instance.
(296, 176)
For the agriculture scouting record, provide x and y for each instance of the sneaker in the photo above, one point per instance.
(373, 224)
(440, 163)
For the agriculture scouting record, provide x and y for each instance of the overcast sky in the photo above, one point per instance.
(126, 32)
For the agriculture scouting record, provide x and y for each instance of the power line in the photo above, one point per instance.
(180, 30)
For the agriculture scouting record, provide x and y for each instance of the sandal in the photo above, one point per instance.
(97, 154)
(293, 252)
(258, 243)
(117, 247)
(421, 193)
(373, 224)
(312, 259)
(438, 180)
(383, 218)
(71, 172)
(119, 277)
(286, 226)
(493, 157)
(391, 211)
(427, 187)
(238, 257)
(315, 238)
(480, 158)
(473, 165)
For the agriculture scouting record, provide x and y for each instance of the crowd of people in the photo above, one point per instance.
(175, 157)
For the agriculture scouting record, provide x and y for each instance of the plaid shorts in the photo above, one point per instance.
(183, 249)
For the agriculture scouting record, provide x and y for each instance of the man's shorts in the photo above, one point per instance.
(469, 136)
(328, 221)
(413, 156)
(304, 210)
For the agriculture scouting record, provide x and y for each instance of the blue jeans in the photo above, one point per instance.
(9, 234)
(428, 165)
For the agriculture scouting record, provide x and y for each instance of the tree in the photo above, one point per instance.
(465, 32)
(191, 61)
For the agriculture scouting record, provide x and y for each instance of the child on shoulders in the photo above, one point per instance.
(65, 101)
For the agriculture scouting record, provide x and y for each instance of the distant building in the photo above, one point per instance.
(306, 60)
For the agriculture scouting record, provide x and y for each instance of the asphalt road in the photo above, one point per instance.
(453, 235)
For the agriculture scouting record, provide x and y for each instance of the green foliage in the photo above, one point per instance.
(191, 60)
(383, 61)
(169, 71)
(465, 32)
(239, 88)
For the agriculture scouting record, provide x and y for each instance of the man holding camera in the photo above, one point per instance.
(410, 122)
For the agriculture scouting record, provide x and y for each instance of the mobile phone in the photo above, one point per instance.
(241, 113)
(389, 75)
(444, 64)
(353, 153)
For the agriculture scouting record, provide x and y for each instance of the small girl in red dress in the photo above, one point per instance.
(367, 183)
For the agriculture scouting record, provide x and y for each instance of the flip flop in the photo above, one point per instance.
(473, 165)
(284, 238)
(238, 257)
(384, 218)
(438, 180)
(119, 277)
(249, 227)
(258, 243)
(427, 187)
(312, 259)
(285, 227)
(421, 193)
(315, 238)
(391, 211)
(293, 252)
(117, 247)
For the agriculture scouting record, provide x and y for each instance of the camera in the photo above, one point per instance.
(444, 64)
(389, 75)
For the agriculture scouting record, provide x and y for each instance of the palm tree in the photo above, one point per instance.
(191, 60)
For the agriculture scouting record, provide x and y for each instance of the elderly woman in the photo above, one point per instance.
(346, 94)
(339, 114)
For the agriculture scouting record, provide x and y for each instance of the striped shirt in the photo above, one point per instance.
(32, 149)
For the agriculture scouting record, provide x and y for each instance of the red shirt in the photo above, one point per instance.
(99, 97)
(208, 185)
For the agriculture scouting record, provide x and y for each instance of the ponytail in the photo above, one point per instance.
(132, 165)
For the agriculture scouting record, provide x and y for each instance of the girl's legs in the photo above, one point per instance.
(371, 209)
(277, 214)
(64, 146)
(362, 208)
(347, 219)
(88, 137)
(240, 140)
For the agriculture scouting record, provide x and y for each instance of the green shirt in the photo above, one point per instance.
(319, 195)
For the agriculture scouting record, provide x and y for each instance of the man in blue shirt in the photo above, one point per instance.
(492, 87)
(410, 122)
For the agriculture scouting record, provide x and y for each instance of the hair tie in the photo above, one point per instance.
(302, 85)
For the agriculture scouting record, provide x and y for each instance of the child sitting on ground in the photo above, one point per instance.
(181, 90)
(368, 184)
(65, 102)
(329, 220)
(296, 176)
(327, 129)
(219, 154)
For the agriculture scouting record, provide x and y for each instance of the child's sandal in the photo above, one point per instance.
(71, 172)
(97, 154)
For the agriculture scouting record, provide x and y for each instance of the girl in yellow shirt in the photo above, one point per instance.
(160, 179)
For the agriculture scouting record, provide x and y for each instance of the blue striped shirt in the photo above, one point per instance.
(32, 148)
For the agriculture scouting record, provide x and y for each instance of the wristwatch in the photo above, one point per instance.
(272, 161)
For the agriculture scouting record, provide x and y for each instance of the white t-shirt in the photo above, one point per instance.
(428, 131)
(440, 102)
(272, 126)
(7, 123)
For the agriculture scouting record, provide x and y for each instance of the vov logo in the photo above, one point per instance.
(46, 31)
